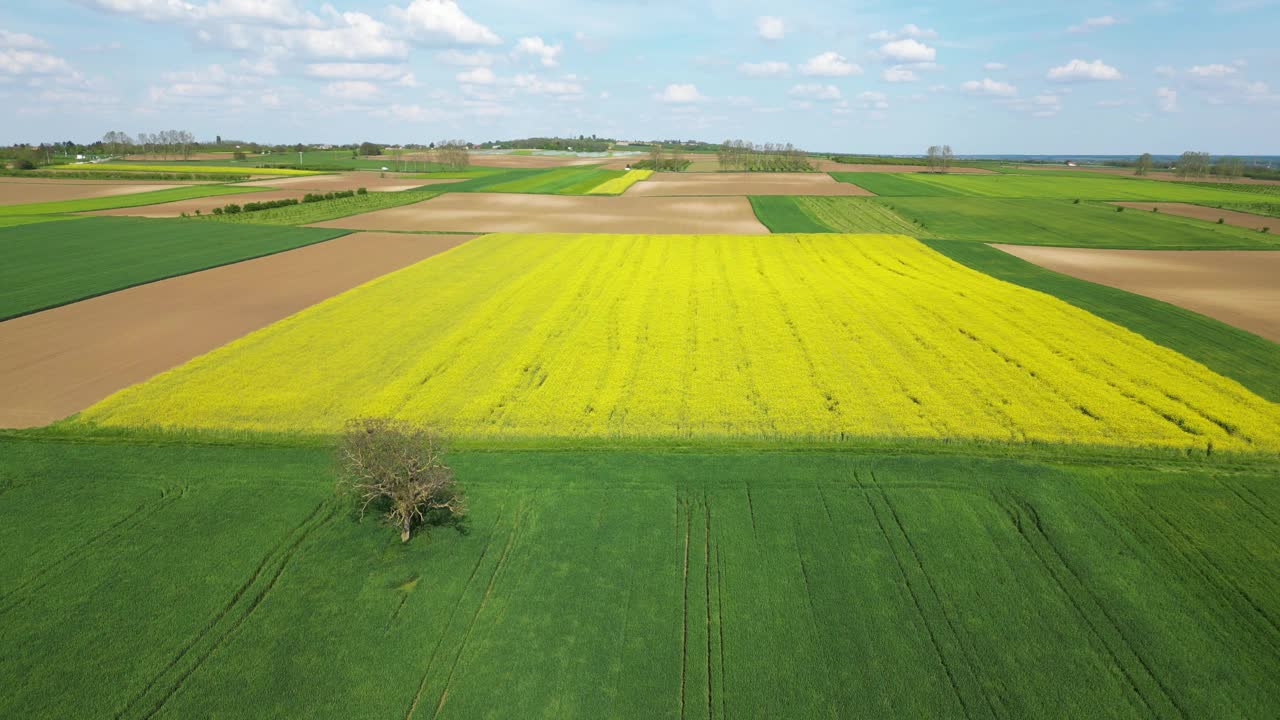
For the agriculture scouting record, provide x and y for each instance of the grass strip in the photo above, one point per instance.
(125, 201)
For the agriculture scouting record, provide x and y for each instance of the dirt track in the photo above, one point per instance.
(694, 184)
(512, 212)
(1200, 212)
(16, 191)
(60, 361)
(1241, 288)
(374, 181)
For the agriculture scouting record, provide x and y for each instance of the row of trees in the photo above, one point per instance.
(769, 157)
(453, 154)
(166, 143)
(939, 158)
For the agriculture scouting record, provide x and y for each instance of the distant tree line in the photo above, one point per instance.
(747, 156)
(453, 154)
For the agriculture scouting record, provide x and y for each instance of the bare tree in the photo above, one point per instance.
(399, 469)
(1193, 164)
(947, 155)
(1143, 165)
(934, 158)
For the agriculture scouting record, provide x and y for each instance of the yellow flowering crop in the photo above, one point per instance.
(619, 185)
(675, 336)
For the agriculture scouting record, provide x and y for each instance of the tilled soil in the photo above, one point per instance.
(373, 181)
(60, 361)
(513, 212)
(1238, 287)
(695, 184)
(18, 191)
(1200, 212)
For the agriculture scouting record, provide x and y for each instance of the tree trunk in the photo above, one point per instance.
(404, 531)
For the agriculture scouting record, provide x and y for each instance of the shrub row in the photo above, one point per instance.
(235, 209)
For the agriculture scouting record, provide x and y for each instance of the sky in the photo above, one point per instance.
(985, 76)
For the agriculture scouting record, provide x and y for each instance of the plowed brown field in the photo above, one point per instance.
(694, 184)
(17, 191)
(1200, 212)
(512, 212)
(60, 361)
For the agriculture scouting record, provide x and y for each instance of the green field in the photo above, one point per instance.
(12, 220)
(1065, 223)
(1100, 187)
(1242, 356)
(564, 181)
(52, 264)
(156, 197)
(314, 212)
(786, 214)
(780, 213)
(226, 581)
(1262, 208)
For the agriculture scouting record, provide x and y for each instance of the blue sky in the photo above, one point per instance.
(986, 77)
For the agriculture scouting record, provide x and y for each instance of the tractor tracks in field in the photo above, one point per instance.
(513, 534)
(941, 634)
(1156, 697)
(27, 589)
(702, 609)
(220, 627)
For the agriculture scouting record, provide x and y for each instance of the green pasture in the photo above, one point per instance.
(1044, 186)
(230, 582)
(1066, 223)
(55, 263)
(155, 197)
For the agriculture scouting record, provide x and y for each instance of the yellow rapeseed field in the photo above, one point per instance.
(825, 336)
(617, 186)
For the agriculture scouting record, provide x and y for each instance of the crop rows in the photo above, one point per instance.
(857, 215)
(826, 336)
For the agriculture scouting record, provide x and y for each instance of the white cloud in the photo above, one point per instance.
(987, 86)
(27, 62)
(538, 48)
(463, 59)
(477, 76)
(872, 100)
(1212, 71)
(1046, 105)
(357, 71)
(680, 93)
(995, 67)
(768, 68)
(1079, 70)
(536, 85)
(279, 13)
(829, 64)
(351, 90)
(1167, 99)
(899, 75)
(908, 31)
(436, 21)
(21, 41)
(1166, 70)
(413, 113)
(908, 51)
(770, 28)
(815, 91)
(1094, 23)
